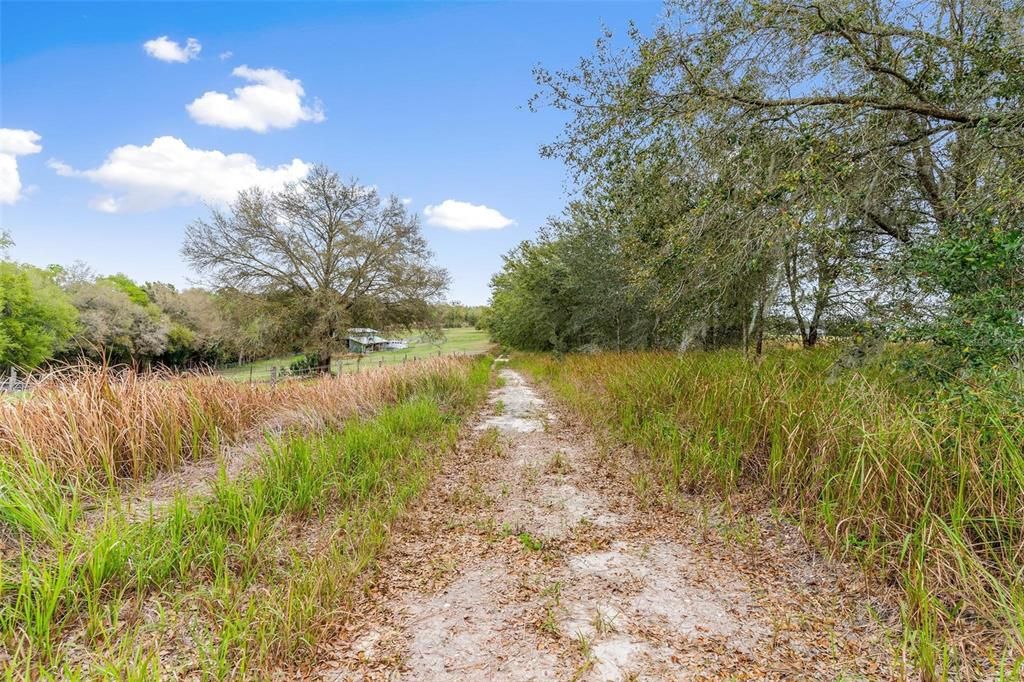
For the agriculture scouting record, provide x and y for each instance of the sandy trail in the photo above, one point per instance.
(532, 558)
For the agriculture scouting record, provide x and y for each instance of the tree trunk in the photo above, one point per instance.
(323, 361)
(759, 330)
(792, 281)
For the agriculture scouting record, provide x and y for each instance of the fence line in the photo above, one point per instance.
(276, 373)
(15, 381)
(12, 382)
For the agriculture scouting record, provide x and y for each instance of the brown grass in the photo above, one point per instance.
(101, 425)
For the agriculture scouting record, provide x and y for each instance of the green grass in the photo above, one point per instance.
(240, 582)
(924, 485)
(457, 340)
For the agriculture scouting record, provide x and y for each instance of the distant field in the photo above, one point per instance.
(457, 340)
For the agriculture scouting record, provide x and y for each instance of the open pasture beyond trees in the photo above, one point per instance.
(450, 341)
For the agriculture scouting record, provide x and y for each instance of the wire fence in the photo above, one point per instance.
(13, 382)
(16, 382)
(261, 373)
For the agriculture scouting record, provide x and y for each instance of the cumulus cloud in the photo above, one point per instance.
(464, 216)
(271, 101)
(168, 172)
(61, 168)
(14, 143)
(167, 50)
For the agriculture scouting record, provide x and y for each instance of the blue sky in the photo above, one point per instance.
(426, 101)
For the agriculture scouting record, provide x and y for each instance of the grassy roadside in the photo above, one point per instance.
(926, 490)
(235, 584)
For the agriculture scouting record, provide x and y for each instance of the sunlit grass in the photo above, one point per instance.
(925, 488)
(234, 583)
(103, 426)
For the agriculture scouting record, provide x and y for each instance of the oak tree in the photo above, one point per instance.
(326, 254)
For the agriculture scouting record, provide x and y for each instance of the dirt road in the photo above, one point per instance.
(533, 557)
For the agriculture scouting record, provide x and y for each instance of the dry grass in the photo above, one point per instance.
(103, 425)
(232, 582)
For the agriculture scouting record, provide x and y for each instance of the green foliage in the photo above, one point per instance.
(980, 268)
(36, 317)
(847, 165)
(126, 285)
(114, 327)
(569, 290)
(452, 315)
(304, 364)
(207, 327)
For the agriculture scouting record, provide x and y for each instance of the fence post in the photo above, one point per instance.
(13, 381)
(273, 376)
(381, 363)
(250, 374)
(359, 359)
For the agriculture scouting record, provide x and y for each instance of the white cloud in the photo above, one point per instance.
(107, 204)
(168, 172)
(19, 142)
(167, 50)
(272, 101)
(227, 54)
(464, 216)
(61, 168)
(14, 143)
(406, 201)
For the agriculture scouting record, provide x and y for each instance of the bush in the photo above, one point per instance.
(36, 317)
(304, 365)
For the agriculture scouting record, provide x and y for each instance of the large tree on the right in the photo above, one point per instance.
(863, 156)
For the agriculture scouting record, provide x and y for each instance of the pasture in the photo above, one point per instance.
(456, 341)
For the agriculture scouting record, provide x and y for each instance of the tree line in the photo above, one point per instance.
(754, 168)
(288, 271)
(65, 314)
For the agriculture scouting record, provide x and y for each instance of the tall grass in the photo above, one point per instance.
(246, 579)
(926, 488)
(109, 425)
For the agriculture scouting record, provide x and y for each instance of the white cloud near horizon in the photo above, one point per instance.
(167, 50)
(272, 100)
(167, 172)
(464, 216)
(14, 143)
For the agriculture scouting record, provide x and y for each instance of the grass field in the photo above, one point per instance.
(457, 340)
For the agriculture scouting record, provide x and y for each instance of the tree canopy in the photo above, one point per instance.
(328, 253)
(834, 161)
(36, 317)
